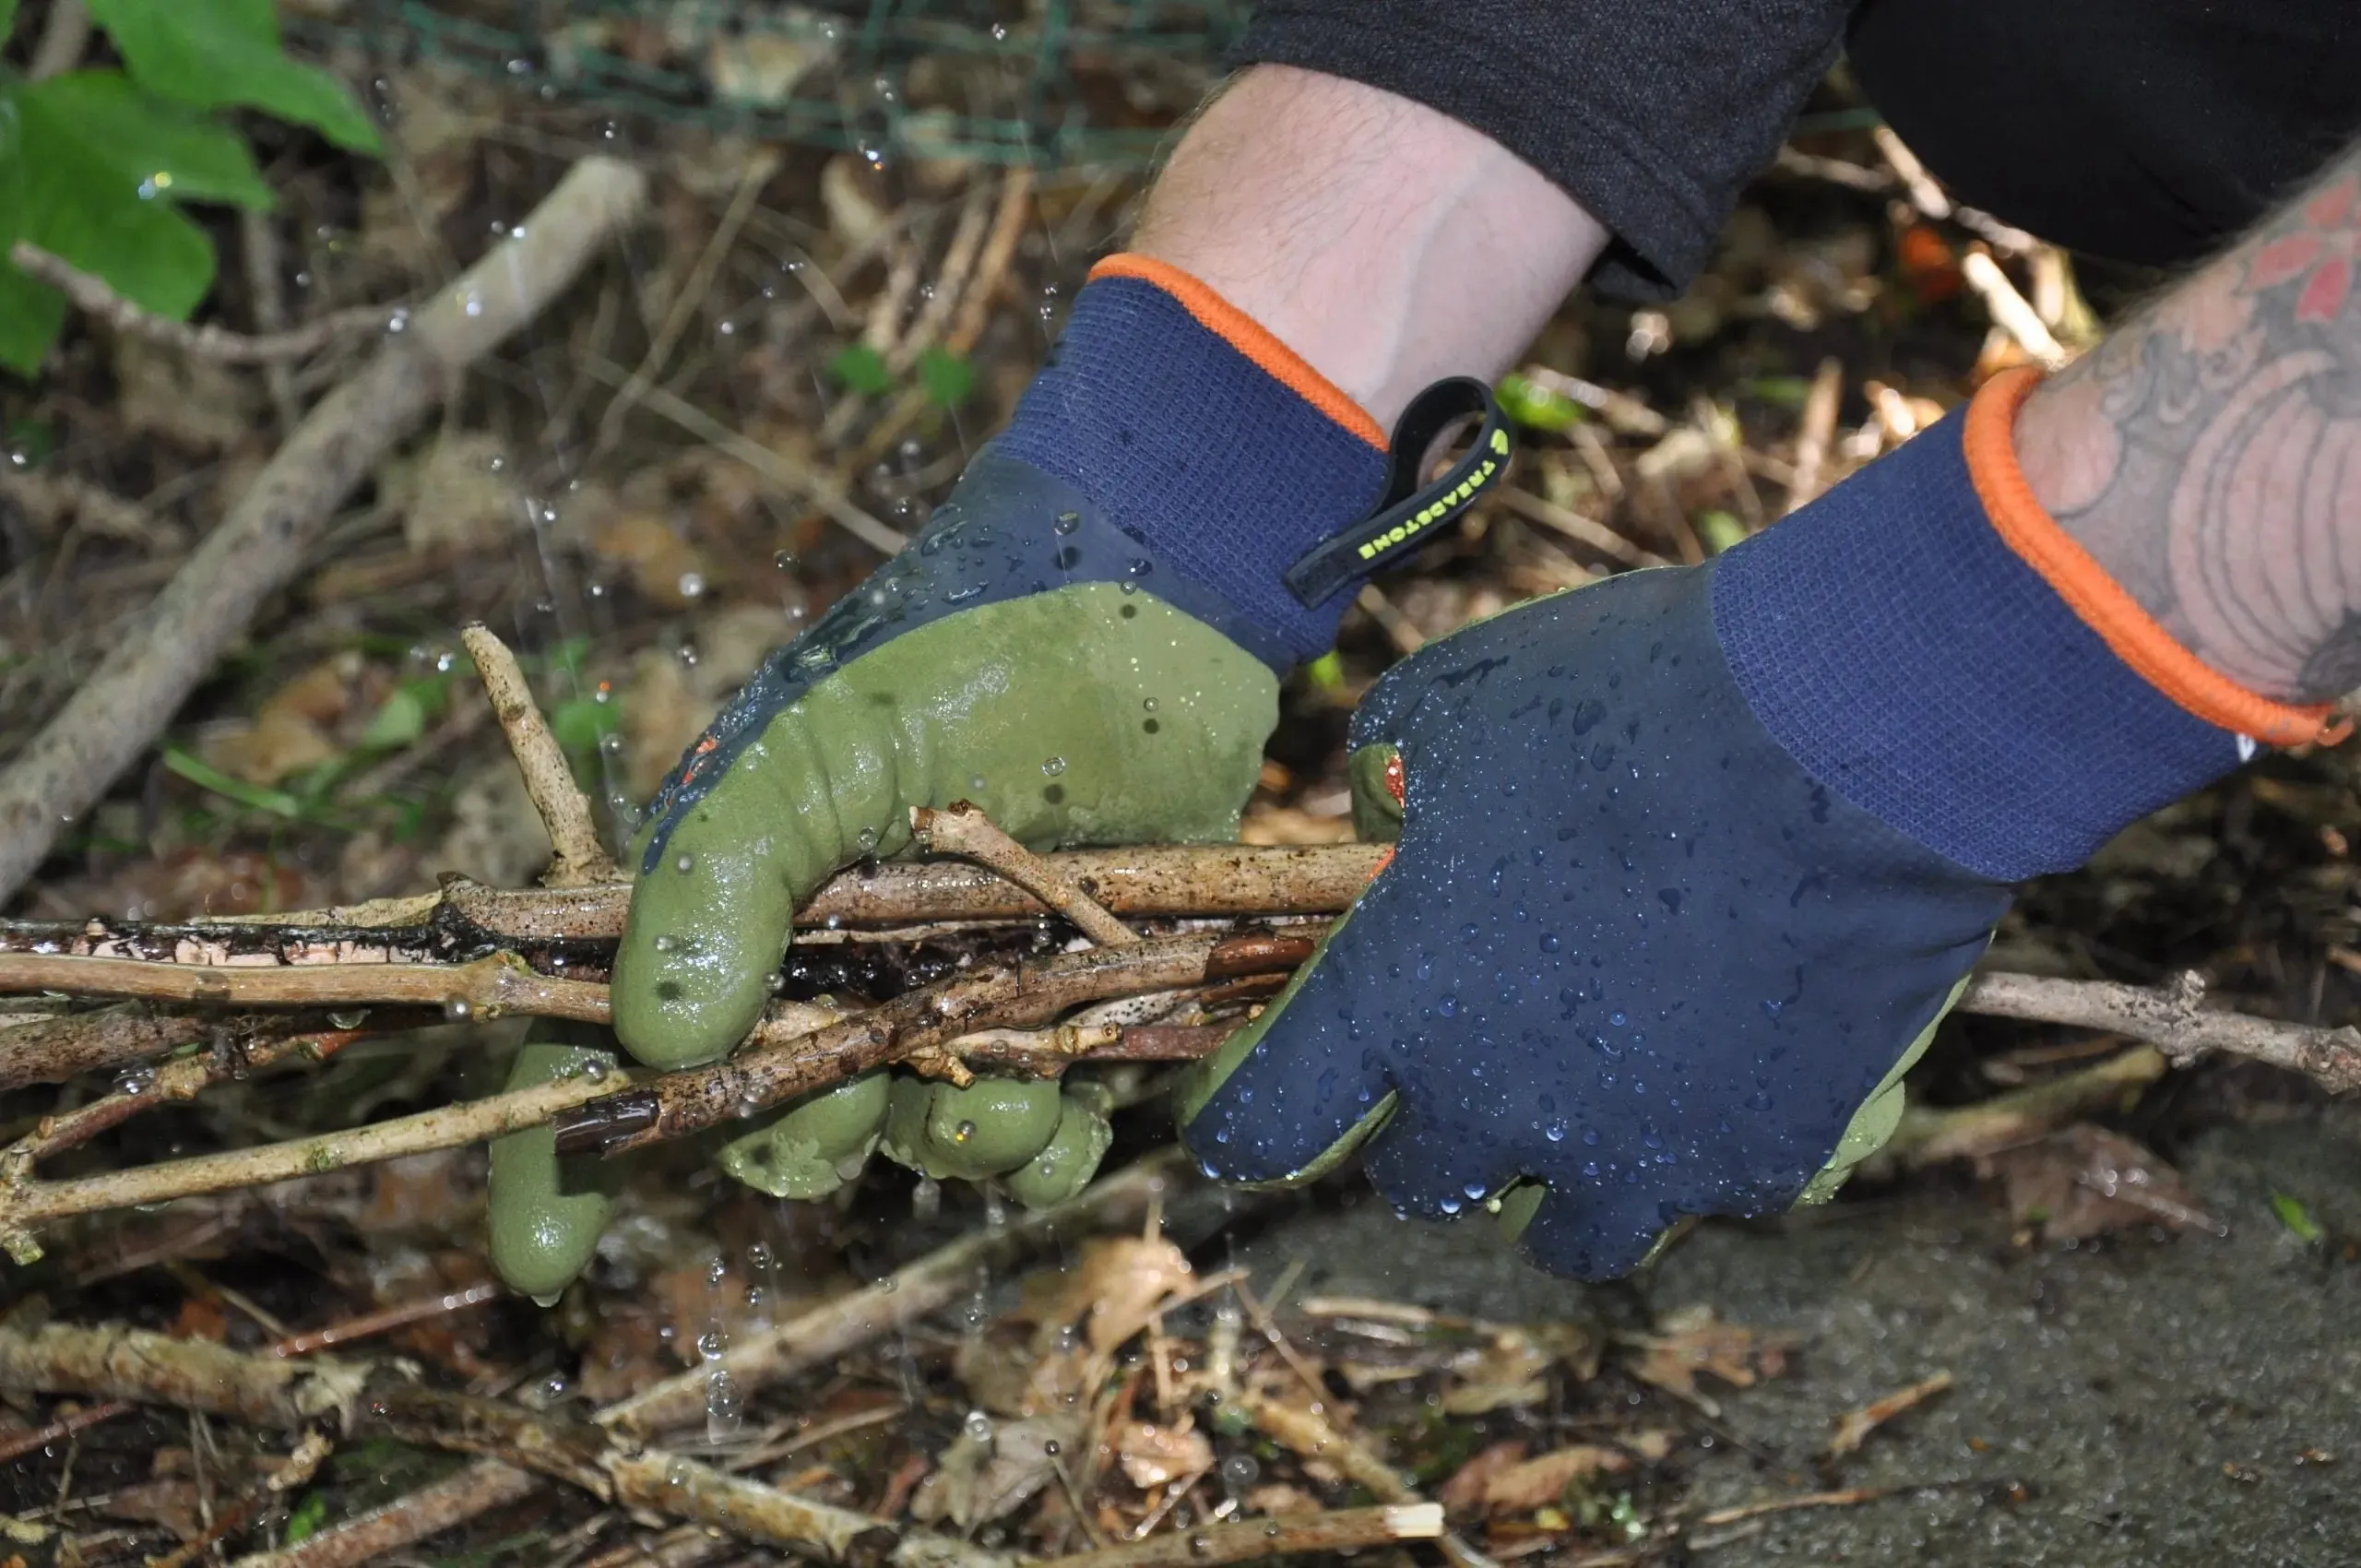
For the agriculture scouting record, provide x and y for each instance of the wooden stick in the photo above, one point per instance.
(762, 1357)
(961, 828)
(261, 545)
(2012, 312)
(483, 1486)
(1818, 430)
(1153, 882)
(777, 1064)
(93, 298)
(360, 1401)
(1248, 1541)
(2170, 1018)
(578, 859)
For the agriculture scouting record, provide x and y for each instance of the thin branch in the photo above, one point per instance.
(467, 919)
(578, 859)
(962, 829)
(1248, 1540)
(777, 1064)
(24, 1203)
(173, 1083)
(2170, 1017)
(1925, 194)
(117, 711)
(92, 296)
(63, 40)
(483, 1486)
(758, 1360)
(1817, 430)
(1929, 1135)
(762, 1357)
(1305, 1431)
(2012, 312)
(792, 477)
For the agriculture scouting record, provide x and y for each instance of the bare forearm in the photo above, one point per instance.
(2209, 453)
(1388, 244)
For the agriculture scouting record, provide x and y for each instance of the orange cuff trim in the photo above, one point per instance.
(1250, 338)
(2137, 637)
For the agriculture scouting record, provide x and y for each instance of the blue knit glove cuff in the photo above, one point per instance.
(1200, 435)
(1909, 659)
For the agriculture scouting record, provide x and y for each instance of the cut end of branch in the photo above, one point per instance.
(578, 859)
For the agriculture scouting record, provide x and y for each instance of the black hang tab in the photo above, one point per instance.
(1408, 511)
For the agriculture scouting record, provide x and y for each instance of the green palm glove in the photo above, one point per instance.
(1012, 658)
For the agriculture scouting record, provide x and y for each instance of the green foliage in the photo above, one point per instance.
(946, 377)
(2297, 1218)
(95, 165)
(205, 776)
(860, 368)
(1537, 407)
(225, 54)
(304, 1521)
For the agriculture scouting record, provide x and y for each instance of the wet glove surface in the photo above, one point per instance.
(1626, 948)
(1084, 641)
(1690, 860)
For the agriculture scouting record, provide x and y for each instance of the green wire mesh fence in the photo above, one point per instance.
(1044, 81)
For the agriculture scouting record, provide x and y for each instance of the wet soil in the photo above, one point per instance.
(2142, 1400)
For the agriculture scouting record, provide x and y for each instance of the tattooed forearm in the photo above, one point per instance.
(2209, 453)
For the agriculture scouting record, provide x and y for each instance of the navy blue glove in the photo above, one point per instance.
(1690, 864)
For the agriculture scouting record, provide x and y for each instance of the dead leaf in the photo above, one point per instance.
(1855, 1426)
(463, 496)
(664, 563)
(855, 216)
(1267, 824)
(1505, 1375)
(1153, 1455)
(2085, 1180)
(193, 401)
(991, 1467)
(1120, 1281)
(1463, 1493)
(1278, 1500)
(1692, 1340)
(1651, 1444)
(762, 68)
(1537, 1483)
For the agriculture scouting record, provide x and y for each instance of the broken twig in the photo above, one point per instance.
(960, 828)
(578, 859)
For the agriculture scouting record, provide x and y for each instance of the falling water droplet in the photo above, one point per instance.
(457, 1009)
(1054, 765)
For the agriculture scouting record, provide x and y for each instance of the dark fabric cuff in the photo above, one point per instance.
(1224, 472)
(1652, 117)
(1909, 660)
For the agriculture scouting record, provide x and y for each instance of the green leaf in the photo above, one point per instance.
(946, 377)
(1718, 530)
(1779, 391)
(31, 312)
(1537, 407)
(580, 723)
(401, 720)
(205, 776)
(2297, 1218)
(217, 53)
(137, 146)
(304, 1521)
(7, 18)
(860, 368)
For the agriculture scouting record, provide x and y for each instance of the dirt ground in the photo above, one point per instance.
(2134, 1403)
